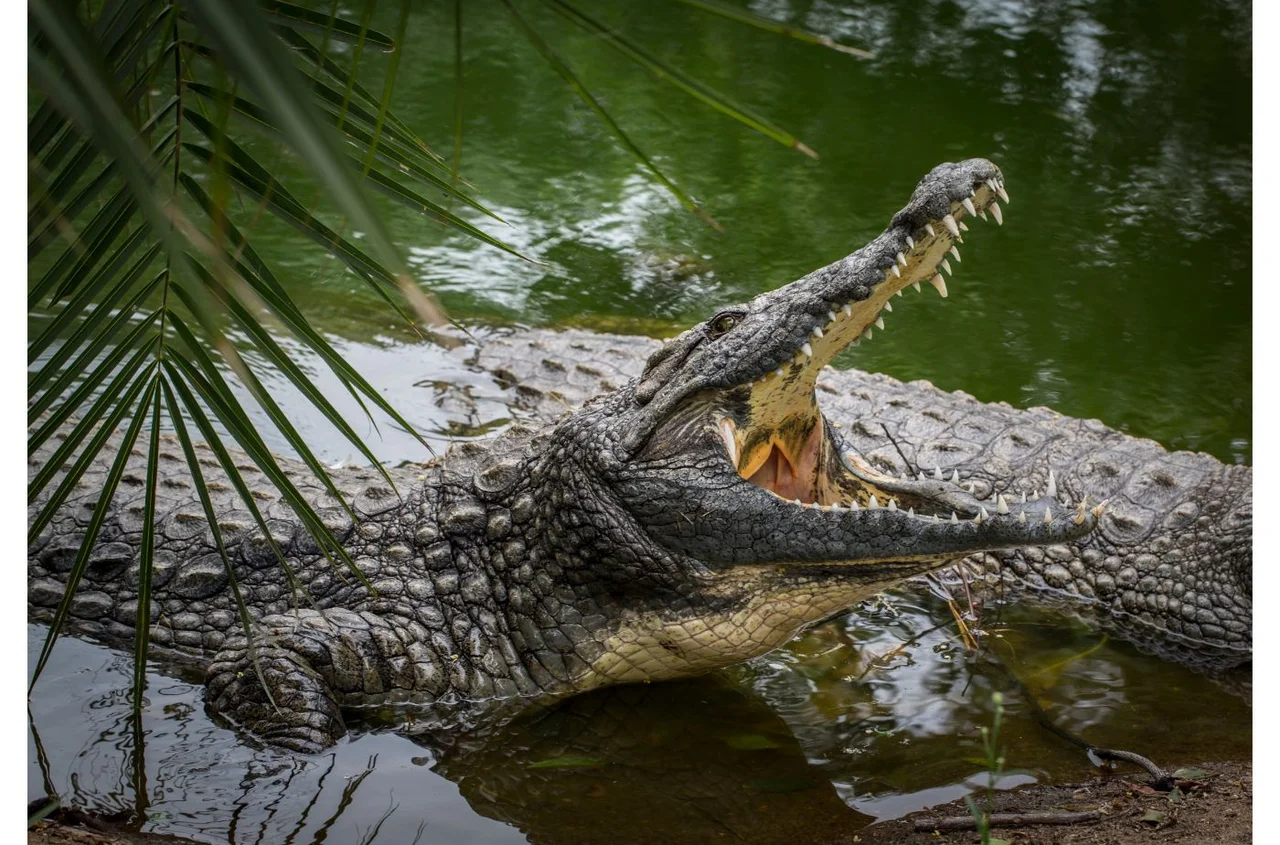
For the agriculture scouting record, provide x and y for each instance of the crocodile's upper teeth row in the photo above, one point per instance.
(953, 226)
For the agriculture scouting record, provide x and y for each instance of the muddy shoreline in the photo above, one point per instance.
(1215, 806)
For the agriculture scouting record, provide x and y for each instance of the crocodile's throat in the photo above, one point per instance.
(779, 440)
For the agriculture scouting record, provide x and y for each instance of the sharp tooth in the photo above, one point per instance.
(915, 285)
(853, 506)
(847, 308)
(955, 520)
(955, 253)
(911, 511)
(1024, 497)
(951, 226)
(968, 205)
(831, 316)
(814, 505)
(911, 244)
(1052, 492)
(928, 227)
(896, 271)
(1001, 505)
(998, 187)
(893, 504)
(874, 503)
(1048, 516)
(972, 487)
(938, 282)
(1102, 506)
(888, 306)
(1078, 519)
(963, 228)
(867, 333)
(955, 477)
(946, 265)
(982, 514)
(778, 371)
(1022, 517)
(817, 331)
(796, 502)
(902, 259)
(937, 472)
(880, 323)
(807, 349)
(996, 213)
(937, 518)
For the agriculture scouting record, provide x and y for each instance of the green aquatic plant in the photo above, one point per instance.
(994, 759)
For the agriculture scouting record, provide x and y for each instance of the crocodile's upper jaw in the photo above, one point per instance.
(746, 378)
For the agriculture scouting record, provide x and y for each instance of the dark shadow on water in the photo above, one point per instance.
(693, 761)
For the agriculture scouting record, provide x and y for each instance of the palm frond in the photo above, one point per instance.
(140, 212)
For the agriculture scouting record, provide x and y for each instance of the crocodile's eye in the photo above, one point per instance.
(723, 323)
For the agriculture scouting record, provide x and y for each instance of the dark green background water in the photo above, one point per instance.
(1118, 288)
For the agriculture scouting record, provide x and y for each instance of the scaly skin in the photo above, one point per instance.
(696, 516)
(1171, 566)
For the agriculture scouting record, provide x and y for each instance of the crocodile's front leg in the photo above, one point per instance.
(309, 662)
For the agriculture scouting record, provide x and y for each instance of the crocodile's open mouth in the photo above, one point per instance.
(780, 441)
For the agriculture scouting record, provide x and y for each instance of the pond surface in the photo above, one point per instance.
(1119, 288)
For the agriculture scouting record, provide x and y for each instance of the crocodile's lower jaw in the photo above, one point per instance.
(784, 448)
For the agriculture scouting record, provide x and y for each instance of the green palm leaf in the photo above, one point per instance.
(135, 162)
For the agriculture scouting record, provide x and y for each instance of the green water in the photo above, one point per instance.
(1118, 288)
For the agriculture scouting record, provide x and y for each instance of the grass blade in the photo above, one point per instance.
(86, 425)
(333, 27)
(335, 72)
(568, 76)
(679, 78)
(202, 491)
(89, 295)
(208, 381)
(60, 218)
(275, 296)
(92, 378)
(391, 154)
(455, 163)
(274, 195)
(214, 442)
(717, 7)
(113, 300)
(388, 84)
(93, 241)
(146, 556)
(267, 345)
(243, 39)
(91, 532)
(264, 399)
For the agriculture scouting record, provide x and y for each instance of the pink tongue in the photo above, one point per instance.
(776, 473)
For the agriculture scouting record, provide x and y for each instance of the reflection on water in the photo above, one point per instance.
(864, 718)
(1118, 289)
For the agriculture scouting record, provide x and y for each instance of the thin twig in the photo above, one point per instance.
(1006, 820)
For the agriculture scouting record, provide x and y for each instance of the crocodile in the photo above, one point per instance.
(1169, 569)
(698, 515)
